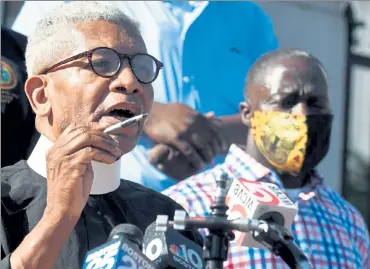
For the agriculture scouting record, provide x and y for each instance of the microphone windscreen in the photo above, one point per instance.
(170, 249)
(123, 250)
(129, 231)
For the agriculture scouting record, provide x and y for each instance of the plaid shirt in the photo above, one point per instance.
(330, 231)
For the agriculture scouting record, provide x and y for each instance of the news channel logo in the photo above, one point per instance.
(103, 257)
(187, 257)
(133, 259)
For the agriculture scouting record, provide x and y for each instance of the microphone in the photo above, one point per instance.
(170, 249)
(258, 200)
(261, 218)
(123, 250)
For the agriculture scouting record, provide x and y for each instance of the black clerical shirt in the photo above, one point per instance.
(23, 200)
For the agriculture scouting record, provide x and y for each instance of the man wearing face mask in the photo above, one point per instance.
(88, 69)
(289, 118)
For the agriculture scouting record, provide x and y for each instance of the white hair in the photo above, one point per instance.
(55, 36)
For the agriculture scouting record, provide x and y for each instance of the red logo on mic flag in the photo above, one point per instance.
(260, 193)
(236, 210)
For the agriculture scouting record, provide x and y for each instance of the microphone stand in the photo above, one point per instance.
(216, 243)
(280, 241)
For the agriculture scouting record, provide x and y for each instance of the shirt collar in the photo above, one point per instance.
(106, 176)
(242, 165)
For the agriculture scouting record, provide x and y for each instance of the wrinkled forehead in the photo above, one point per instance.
(294, 74)
(92, 34)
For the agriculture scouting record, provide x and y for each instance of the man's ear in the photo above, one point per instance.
(35, 88)
(245, 112)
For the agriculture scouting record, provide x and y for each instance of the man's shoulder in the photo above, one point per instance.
(242, 6)
(19, 182)
(151, 203)
(134, 191)
(196, 193)
(21, 187)
(245, 10)
(337, 206)
(206, 179)
(333, 198)
(17, 174)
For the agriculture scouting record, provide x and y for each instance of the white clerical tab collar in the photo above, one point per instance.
(106, 176)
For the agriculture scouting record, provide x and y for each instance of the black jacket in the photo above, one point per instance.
(18, 133)
(23, 200)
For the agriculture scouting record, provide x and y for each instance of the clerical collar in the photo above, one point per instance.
(106, 176)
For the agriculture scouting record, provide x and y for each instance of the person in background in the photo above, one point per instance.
(206, 48)
(67, 197)
(288, 115)
(18, 133)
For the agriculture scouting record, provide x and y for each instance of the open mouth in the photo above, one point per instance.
(121, 113)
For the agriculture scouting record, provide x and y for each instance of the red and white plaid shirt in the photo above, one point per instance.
(329, 230)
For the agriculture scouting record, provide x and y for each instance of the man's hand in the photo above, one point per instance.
(171, 162)
(69, 170)
(194, 135)
(69, 181)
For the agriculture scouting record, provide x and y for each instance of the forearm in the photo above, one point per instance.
(233, 129)
(42, 246)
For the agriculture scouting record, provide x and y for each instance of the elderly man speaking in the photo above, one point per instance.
(88, 69)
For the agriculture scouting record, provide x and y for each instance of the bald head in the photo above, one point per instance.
(286, 78)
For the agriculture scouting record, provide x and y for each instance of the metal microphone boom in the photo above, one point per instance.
(275, 237)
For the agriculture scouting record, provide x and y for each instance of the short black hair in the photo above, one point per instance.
(263, 65)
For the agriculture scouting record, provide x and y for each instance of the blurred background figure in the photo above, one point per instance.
(17, 118)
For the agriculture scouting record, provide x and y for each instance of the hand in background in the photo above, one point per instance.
(174, 163)
(171, 162)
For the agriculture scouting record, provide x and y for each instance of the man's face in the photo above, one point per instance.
(290, 88)
(79, 94)
(290, 116)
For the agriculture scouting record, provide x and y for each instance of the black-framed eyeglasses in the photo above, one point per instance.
(107, 62)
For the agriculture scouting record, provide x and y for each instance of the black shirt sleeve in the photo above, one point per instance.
(148, 204)
(5, 261)
(5, 256)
